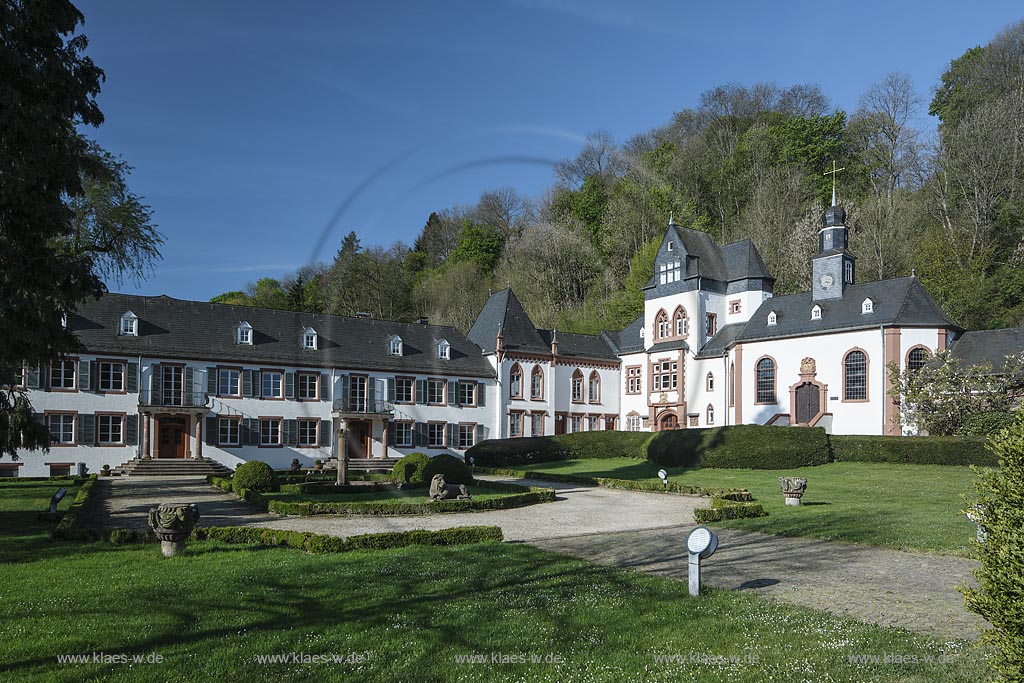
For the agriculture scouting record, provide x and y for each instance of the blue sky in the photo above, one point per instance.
(250, 125)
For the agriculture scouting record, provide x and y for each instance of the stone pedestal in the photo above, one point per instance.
(793, 489)
(173, 524)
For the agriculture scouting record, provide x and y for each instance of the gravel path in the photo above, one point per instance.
(126, 501)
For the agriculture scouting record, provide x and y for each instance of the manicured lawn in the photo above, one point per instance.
(898, 506)
(408, 614)
(420, 495)
(20, 505)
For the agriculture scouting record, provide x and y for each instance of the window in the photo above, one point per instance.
(270, 431)
(111, 376)
(577, 387)
(403, 389)
(60, 470)
(816, 313)
(848, 271)
(711, 415)
(537, 424)
(129, 325)
(272, 384)
(867, 307)
(537, 383)
(917, 358)
(710, 325)
(395, 346)
(357, 393)
(765, 372)
(577, 423)
(710, 382)
(467, 436)
(665, 375)
(309, 339)
(634, 381)
(681, 322)
(670, 246)
(243, 334)
(229, 431)
(309, 386)
(62, 428)
(668, 272)
(515, 424)
(309, 433)
(732, 384)
(594, 387)
(735, 307)
(444, 350)
(227, 382)
(110, 429)
(772, 318)
(435, 435)
(594, 423)
(467, 393)
(62, 375)
(435, 391)
(661, 325)
(855, 376)
(670, 421)
(515, 383)
(632, 422)
(403, 434)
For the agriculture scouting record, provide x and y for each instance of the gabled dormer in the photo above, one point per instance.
(816, 312)
(444, 350)
(129, 325)
(395, 345)
(310, 339)
(867, 306)
(243, 334)
(773, 318)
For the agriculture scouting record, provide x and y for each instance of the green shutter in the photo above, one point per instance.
(391, 389)
(189, 383)
(84, 375)
(291, 432)
(289, 385)
(481, 394)
(212, 430)
(86, 429)
(131, 430)
(246, 379)
(453, 393)
(392, 436)
(453, 435)
(421, 391)
(343, 396)
(33, 378)
(155, 384)
(131, 378)
(326, 433)
(325, 387)
(480, 434)
(211, 381)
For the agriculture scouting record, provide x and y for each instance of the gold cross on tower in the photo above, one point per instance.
(833, 172)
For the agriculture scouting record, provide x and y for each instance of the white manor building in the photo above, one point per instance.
(165, 378)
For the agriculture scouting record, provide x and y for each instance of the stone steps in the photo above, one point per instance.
(173, 468)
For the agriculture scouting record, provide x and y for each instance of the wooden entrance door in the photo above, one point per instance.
(172, 433)
(358, 440)
(560, 420)
(808, 402)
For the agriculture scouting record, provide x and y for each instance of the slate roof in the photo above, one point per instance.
(742, 261)
(628, 339)
(989, 346)
(504, 312)
(673, 345)
(706, 259)
(899, 301)
(195, 330)
(571, 344)
(721, 341)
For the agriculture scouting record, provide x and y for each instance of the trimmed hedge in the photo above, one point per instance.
(627, 484)
(72, 524)
(526, 495)
(409, 468)
(256, 475)
(534, 449)
(722, 509)
(755, 447)
(918, 450)
(454, 470)
(317, 543)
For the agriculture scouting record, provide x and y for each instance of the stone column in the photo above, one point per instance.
(144, 419)
(154, 438)
(343, 455)
(384, 438)
(199, 438)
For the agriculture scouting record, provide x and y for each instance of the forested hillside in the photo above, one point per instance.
(748, 162)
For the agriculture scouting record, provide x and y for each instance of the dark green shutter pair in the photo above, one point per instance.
(212, 431)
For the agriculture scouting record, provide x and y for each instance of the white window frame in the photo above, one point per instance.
(302, 386)
(62, 419)
(467, 393)
(221, 383)
(233, 429)
(109, 386)
(395, 346)
(304, 425)
(266, 435)
(114, 426)
(403, 429)
(467, 436)
(309, 339)
(129, 325)
(433, 429)
(431, 384)
(816, 313)
(243, 334)
(268, 376)
(773, 318)
(444, 350)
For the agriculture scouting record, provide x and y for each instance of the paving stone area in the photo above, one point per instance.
(126, 501)
(642, 531)
(874, 585)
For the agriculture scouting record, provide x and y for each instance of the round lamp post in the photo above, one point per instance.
(700, 544)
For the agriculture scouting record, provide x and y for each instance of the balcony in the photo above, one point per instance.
(173, 399)
(356, 406)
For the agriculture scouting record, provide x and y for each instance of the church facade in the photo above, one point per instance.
(164, 378)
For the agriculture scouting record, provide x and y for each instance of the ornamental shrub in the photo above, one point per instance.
(257, 476)
(916, 450)
(1000, 511)
(756, 447)
(454, 470)
(409, 469)
(986, 424)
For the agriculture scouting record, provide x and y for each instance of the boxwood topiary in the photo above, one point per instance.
(409, 470)
(256, 475)
(454, 470)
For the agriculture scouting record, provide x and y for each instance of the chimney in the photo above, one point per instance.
(499, 345)
(554, 343)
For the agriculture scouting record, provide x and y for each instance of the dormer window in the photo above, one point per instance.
(64, 320)
(867, 307)
(669, 272)
(816, 313)
(243, 334)
(848, 272)
(395, 346)
(444, 350)
(772, 318)
(309, 339)
(129, 325)
(670, 245)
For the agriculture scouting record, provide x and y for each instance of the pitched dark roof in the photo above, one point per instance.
(900, 301)
(989, 347)
(721, 341)
(173, 328)
(709, 262)
(673, 345)
(571, 344)
(628, 339)
(742, 261)
(503, 312)
(706, 259)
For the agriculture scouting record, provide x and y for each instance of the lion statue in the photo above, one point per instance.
(439, 490)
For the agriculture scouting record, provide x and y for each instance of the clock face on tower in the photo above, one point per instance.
(826, 281)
